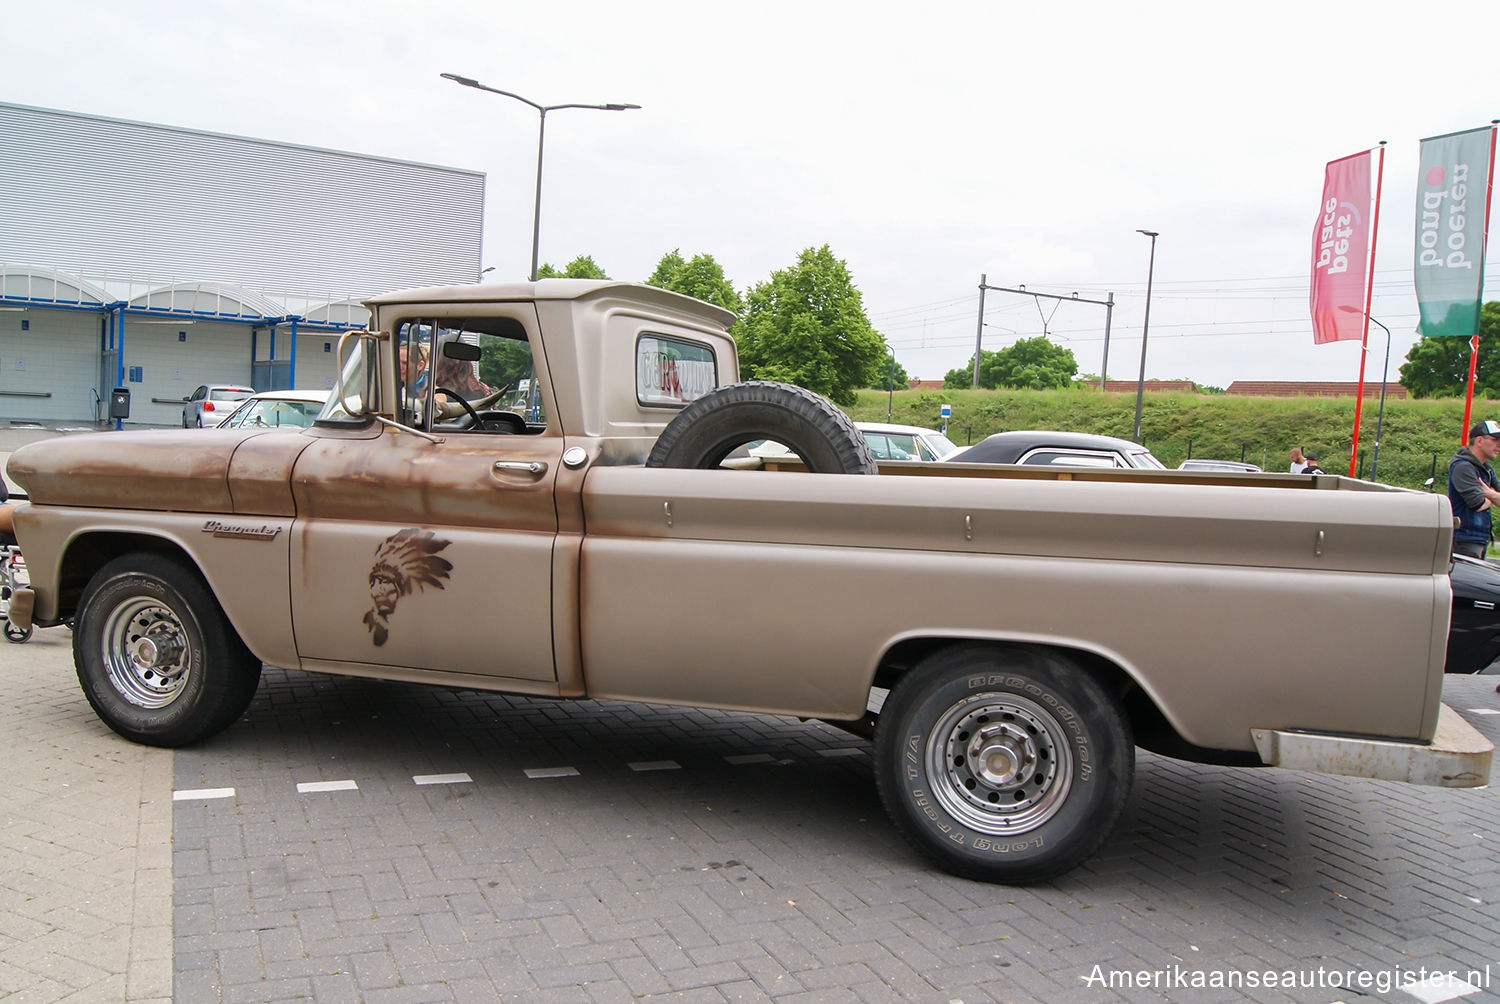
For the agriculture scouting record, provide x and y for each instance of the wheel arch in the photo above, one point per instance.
(91, 550)
(1149, 721)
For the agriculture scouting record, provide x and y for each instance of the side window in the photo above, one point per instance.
(468, 375)
(1055, 458)
(413, 356)
(904, 447)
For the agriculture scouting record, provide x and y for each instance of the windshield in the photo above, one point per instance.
(941, 444)
(354, 381)
(1144, 459)
(273, 413)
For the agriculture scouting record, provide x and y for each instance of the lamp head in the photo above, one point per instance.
(466, 81)
(1149, 233)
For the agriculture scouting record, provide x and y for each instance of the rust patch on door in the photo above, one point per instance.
(405, 560)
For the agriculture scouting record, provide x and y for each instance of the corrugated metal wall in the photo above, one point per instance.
(49, 365)
(110, 198)
(171, 368)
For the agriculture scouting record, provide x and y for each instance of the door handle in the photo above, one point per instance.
(536, 468)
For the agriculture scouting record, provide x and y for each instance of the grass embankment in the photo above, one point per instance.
(1416, 442)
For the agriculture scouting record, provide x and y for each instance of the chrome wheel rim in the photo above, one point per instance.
(999, 763)
(146, 653)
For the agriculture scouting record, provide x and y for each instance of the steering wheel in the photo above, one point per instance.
(454, 395)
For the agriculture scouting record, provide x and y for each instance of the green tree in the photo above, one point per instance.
(1439, 367)
(891, 381)
(582, 267)
(806, 325)
(504, 362)
(1029, 364)
(1033, 364)
(702, 277)
(963, 377)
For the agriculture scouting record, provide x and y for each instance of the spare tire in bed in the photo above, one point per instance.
(712, 427)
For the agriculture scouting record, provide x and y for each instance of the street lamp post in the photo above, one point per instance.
(1140, 385)
(890, 397)
(541, 134)
(1384, 374)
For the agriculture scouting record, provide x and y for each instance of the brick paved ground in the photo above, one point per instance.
(711, 857)
(85, 842)
(604, 852)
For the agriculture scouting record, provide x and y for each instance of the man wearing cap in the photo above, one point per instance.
(1472, 489)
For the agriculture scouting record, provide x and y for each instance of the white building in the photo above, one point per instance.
(156, 259)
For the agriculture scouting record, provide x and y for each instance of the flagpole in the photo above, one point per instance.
(1364, 341)
(1489, 188)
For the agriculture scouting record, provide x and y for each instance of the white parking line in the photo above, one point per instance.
(198, 794)
(459, 778)
(750, 758)
(656, 765)
(310, 787)
(1483, 711)
(538, 772)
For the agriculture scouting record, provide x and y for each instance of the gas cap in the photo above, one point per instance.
(575, 457)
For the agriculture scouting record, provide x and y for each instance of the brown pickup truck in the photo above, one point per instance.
(522, 488)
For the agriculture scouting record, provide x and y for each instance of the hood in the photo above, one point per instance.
(176, 470)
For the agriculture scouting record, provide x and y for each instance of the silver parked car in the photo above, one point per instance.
(207, 405)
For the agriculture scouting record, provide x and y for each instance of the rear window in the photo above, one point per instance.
(229, 393)
(672, 372)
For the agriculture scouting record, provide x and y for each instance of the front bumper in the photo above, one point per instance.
(22, 603)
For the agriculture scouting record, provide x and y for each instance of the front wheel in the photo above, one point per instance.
(157, 659)
(1003, 765)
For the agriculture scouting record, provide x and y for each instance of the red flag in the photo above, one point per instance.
(1339, 251)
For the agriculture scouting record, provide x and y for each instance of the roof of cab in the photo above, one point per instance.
(558, 289)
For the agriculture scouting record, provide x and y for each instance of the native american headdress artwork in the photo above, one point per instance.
(406, 559)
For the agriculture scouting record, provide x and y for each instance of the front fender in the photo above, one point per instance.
(244, 560)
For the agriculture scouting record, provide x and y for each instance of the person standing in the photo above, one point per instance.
(1310, 464)
(1472, 489)
(1299, 462)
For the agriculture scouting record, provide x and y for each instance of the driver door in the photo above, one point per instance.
(437, 555)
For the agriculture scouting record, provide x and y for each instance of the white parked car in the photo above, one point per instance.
(277, 409)
(887, 442)
(905, 442)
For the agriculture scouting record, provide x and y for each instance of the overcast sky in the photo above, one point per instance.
(926, 144)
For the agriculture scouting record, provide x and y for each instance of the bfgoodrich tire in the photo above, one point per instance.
(157, 659)
(1003, 765)
(710, 428)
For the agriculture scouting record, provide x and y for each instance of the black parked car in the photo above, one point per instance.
(1062, 449)
(1474, 634)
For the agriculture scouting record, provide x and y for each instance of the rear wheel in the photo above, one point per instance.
(1003, 765)
(157, 659)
